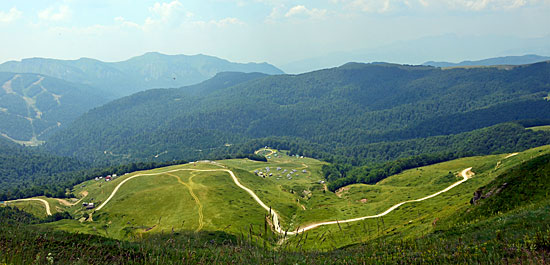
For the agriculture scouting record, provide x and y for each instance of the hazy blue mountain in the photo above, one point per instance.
(151, 70)
(506, 60)
(449, 47)
(33, 106)
(347, 106)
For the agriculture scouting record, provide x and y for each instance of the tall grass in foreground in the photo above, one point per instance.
(21, 244)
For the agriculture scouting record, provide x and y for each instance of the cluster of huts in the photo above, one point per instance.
(107, 178)
(280, 173)
(88, 205)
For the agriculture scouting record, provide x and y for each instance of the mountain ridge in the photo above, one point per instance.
(496, 61)
(150, 70)
(345, 106)
(33, 106)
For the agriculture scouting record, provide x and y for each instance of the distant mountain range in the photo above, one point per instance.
(151, 70)
(506, 60)
(448, 47)
(343, 107)
(33, 106)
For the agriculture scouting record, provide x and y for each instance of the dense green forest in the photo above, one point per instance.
(502, 138)
(352, 105)
(28, 172)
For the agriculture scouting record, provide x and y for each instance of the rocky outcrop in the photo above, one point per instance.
(480, 195)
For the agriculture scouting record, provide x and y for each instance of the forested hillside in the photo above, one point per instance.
(26, 172)
(339, 108)
(151, 70)
(33, 106)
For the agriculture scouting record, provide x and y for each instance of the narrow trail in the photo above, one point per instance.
(270, 150)
(46, 204)
(67, 203)
(197, 201)
(511, 155)
(466, 174)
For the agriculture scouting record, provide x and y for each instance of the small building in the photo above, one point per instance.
(90, 206)
(304, 171)
(270, 174)
(108, 178)
(278, 169)
(114, 176)
(321, 182)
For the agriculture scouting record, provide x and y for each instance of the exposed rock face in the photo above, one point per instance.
(478, 194)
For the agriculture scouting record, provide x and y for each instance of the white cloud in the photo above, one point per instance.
(163, 14)
(10, 16)
(228, 21)
(301, 10)
(166, 10)
(383, 6)
(62, 13)
(478, 5)
(124, 22)
(375, 6)
(219, 23)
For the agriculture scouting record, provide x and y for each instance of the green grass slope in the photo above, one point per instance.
(444, 229)
(179, 198)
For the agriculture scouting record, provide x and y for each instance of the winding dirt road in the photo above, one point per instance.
(46, 204)
(466, 174)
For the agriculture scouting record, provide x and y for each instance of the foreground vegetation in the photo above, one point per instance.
(519, 237)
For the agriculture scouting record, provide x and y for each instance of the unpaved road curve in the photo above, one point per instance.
(46, 204)
(274, 215)
(466, 173)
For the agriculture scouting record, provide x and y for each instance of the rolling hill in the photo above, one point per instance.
(151, 70)
(507, 60)
(32, 106)
(355, 104)
(200, 202)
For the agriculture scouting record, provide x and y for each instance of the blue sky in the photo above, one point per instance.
(276, 31)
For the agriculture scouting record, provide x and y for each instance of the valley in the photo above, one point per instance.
(216, 195)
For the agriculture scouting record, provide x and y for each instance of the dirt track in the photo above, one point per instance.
(466, 174)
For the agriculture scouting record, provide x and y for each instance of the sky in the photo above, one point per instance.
(275, 31)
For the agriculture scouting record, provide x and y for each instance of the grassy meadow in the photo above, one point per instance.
(209, 202)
